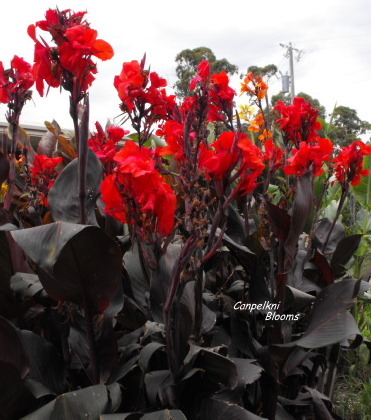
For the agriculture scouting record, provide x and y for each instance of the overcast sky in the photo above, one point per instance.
(334, 36)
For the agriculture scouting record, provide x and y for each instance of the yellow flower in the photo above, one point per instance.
(246, 112)
(3, 190)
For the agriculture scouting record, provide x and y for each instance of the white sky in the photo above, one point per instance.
(335, 36)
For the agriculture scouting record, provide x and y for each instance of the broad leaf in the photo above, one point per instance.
(26, 286)
(301, 209)
(279, 221)
(160, 280)
(222, 410)
(76, 262)
(217, 368)
(46, 365)
(85, 403)
(330, 321)
(64, 195)
(15, 399)
(296, 299)
(322, 229)
(12, 349)
(164, 415)
(343, 253)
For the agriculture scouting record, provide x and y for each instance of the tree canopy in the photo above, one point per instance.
(267, 71)
(346, 126)
(187, 62)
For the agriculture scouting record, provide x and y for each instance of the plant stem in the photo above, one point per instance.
(83, 160)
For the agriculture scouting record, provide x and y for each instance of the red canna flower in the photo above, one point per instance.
(310, 157)
(173, 133)
(111, 196)
(43, 169)
(298, 121)
(274, 154)
(231, 152)
(137, 194)
(225, 157)
(104, 144)
(143, 97)
(349, 163)
(43, 175)
(16, 81)
(68, 64)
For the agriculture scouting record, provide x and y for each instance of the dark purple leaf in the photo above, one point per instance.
(76, 262)
(123, 416)
(218, 368)
(160, 280)
(236, 226)
(330, 321)
(64, 195)
(147, 352)
(15, 399)
(248, 372)
(221, 410)
(46, 365)
(253, 264)
(26, 286)
(279, 221)
(325, 269)
(136, 280)
(301, 208)
(343, 253)
(187, 302)
(322, 228)
(156, 384)
(294, 359)
(319, 407)
(282, 414)
(12, 259)
(4, 168)
(12, 349)
(88, 402)
(164, 415)
(296, 299)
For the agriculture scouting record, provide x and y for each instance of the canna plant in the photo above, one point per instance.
(197, 279)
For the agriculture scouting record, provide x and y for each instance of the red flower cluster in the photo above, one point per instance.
(230, 151)
(298, 121)
(139, 88)
(221, 95)
(15, 81)
(104, 144)
(43, 175)
(349, 163)
(310, 157)
(274, 154)
(173, 132)
(43, 170)
(76, 42)
(137, 194)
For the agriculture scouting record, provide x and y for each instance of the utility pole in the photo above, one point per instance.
(290, 55)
